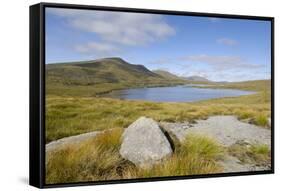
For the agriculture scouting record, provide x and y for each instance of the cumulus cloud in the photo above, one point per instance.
(227, 41)
(222, 62)
(162, 61)
(128, 29)
(217, 67)
(96, 48)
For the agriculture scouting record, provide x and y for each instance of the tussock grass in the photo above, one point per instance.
(73, 115)
(197, 155)
(81, 113)
(202, 146)
(93, 160)
(261, 120)
(258, 154)
(99, 159)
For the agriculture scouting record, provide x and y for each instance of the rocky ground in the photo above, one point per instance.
(227, 130)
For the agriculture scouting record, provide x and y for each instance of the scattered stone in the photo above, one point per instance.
(233, 164)
(144, 143)
(269, 122)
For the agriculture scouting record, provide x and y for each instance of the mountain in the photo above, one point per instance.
(170, 76)
(196, 78)
(107, 70)
(167, 75)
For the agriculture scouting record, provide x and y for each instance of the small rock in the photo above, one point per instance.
(269, 122)
(144, 143)
(185, 127)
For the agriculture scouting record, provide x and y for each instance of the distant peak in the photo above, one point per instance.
(115, 58)
(196, 78)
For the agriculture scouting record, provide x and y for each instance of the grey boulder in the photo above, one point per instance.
(144, 143)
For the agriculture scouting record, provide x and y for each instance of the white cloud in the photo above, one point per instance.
(162, 61)
(222, 62)
(96, 48)
(214, 19)
(227, 41)
(115, 27)
(217, 67)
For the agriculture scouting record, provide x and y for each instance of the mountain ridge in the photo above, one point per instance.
(196, 78)
(167, 74)
(106, 70)
(111, 70)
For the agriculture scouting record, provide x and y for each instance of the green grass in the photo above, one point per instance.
(204, 147)
(261, 120)
(66, 116)
(258, 154)
(99, 159)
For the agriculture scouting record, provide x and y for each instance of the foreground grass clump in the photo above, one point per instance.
(197, 155)
(261, 120)
(258, 154)
(99, 159)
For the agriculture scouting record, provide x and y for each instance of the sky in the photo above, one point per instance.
(219, 49)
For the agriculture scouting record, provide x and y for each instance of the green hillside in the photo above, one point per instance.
(167, 75)
(99, 76)
(109, 70)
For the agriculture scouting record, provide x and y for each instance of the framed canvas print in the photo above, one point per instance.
(127, 95)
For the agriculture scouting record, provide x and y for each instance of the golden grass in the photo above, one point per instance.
(99, 159)
(93, 160)
(197, 155)
(258, 154)
(72, 116)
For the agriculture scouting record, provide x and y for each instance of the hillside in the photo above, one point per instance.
(100, 76)
(109, 70)
(167, 75)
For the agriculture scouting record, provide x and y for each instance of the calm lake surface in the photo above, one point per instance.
(175, 94)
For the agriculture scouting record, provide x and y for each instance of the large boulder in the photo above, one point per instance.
(144, 143)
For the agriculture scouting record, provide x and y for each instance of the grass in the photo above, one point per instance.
(91, 78)
(99, 159)
(96, 159)
(261, 120)
(67, 116)
(258, 154)
(197, 155)
(71, 111)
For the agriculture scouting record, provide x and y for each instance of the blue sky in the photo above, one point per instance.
(215, 48)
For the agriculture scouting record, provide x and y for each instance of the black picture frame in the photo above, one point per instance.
(37, 93)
